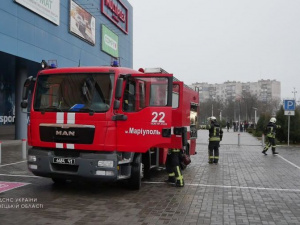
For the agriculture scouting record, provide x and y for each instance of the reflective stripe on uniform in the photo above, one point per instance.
(175, 150)
(180, 177)
(214, 139)
(271, 133)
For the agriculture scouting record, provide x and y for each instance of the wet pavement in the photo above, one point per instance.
(246, 187)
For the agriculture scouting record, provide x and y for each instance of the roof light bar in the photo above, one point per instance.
(155, 70)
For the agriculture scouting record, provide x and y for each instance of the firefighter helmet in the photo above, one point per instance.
(212, 119)
(273, 120)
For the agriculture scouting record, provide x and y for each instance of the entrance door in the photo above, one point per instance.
(147, 104)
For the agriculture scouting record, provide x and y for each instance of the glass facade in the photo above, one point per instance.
(9, 68)
(29, 36)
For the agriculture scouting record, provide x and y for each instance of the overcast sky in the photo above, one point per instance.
(215, 41)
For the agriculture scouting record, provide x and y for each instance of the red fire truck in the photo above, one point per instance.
(107, 123)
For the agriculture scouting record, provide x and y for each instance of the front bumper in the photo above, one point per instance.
(84, 167)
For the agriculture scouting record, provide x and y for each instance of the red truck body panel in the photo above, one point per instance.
(133, 123)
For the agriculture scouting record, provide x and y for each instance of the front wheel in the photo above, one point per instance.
(135, 180)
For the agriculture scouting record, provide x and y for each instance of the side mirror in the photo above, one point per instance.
(24, 104)
(26, 87)
(25, 92)
(116, 104)
(119, 87)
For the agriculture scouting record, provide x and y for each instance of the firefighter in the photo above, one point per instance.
(228, 126)
(129, 98)
(173, 167)
(215, 136)
(271, 132)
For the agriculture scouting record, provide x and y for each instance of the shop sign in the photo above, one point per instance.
(4, 120)
(7, 99)
(82, 23)
(49, 9)
(110, 42)
(116, 12)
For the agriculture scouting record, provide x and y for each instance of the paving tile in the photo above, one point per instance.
(246, 187)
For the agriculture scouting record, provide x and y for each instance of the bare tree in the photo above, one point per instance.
(243, 107)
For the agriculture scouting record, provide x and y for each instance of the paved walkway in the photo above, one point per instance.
(246, 187)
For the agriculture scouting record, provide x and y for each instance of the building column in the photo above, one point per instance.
(21, 114)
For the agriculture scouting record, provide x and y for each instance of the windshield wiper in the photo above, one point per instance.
(91, 111)
(50, 109)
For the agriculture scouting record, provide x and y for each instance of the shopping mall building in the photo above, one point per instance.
(65, 33)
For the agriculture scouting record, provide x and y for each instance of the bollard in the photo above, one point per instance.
(263, 140)
(0, 152)
(239, 139)
(24, 149)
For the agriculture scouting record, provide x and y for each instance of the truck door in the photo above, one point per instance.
(146, 106)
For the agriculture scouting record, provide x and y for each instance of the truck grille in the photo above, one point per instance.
(65, 133)
(67, 153)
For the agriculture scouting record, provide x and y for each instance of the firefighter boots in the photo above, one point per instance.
(171, 180)
(274, 153)
(179, 184)
(264, 152)
(216, 159)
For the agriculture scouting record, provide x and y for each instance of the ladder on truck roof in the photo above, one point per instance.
(161, 70)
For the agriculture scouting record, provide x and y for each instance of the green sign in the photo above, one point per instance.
(110, 42)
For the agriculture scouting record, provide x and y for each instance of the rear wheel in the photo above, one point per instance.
(146, 160)
(135, 180)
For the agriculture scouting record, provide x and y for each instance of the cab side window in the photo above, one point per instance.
(129, 97)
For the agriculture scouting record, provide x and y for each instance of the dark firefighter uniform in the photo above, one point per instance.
(173, 167)
(271, 133)
(215, 136)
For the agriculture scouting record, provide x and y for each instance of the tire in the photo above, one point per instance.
(59, 180)
(135, 180)
(146, 162)
(187, 149)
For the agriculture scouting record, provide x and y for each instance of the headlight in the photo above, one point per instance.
(106, 163)
(105, 173)
(32, 158)
(33, 167)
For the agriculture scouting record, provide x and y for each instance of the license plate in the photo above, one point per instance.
(67, 161)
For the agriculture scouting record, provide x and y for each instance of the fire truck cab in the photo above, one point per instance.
(107, 123)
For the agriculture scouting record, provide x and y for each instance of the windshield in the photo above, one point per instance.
(91, 92)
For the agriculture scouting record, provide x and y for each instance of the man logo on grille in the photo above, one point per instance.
(65, 133)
